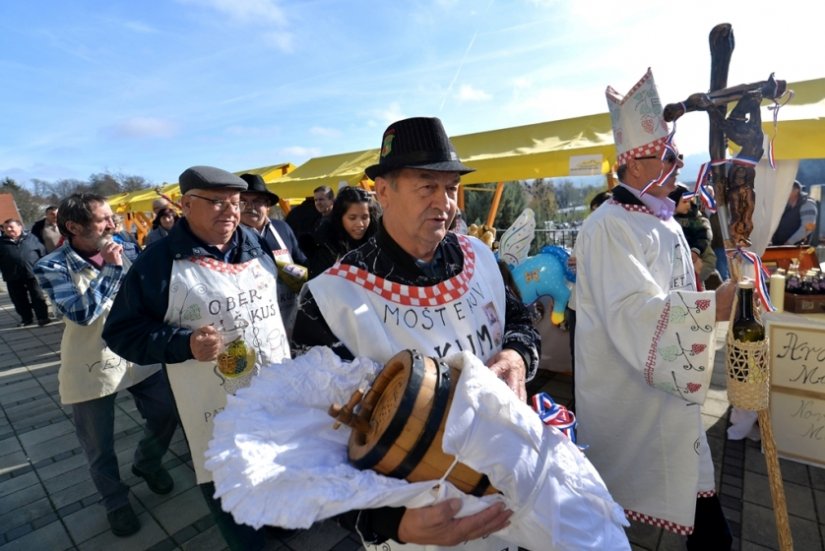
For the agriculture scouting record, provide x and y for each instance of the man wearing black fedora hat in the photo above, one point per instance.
(417, 285)
(278, 235)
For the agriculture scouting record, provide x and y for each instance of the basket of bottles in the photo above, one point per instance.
(747, 353)
(804, 291)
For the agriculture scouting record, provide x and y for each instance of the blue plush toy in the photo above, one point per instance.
(545, 274)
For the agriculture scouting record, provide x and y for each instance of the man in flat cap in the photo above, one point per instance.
(448, 285)
(203, 301)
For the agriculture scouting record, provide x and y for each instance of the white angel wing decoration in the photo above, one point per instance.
(515, 242)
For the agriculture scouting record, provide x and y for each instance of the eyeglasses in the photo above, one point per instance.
(670, 158)
(221, 204)
(257, 203)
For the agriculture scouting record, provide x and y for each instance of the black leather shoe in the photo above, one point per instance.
(25, 323)
(159, 481)
(45, 321)
(124, 521)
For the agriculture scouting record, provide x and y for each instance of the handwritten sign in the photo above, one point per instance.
(797, 360)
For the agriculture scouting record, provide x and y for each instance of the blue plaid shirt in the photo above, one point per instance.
(54, 273)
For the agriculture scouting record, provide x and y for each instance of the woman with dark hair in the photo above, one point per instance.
(164, 221)
(353, 220)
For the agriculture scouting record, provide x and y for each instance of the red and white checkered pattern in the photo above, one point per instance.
(653, 148)
(407, 295)
(632, 208)
(666, 524)
(218, 266)
(639, 130)
(653, 521)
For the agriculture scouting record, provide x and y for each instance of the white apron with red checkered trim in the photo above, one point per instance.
(240, 300)
(377, 318)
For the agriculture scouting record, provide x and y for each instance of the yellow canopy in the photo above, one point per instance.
(323, 171)
(578, 146)
(582, 145)
(118, 200)
(271, 172)
(801, 130)
(141, 200)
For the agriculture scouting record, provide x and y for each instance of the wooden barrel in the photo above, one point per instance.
(400, 426)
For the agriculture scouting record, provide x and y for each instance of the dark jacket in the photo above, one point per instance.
(696, 227)
(329, 247)
(18, 258)
(37, 229)
(135, 328)
(303, 219)
(291, 242)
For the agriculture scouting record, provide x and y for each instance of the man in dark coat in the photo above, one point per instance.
(278, 235)
(19, 250)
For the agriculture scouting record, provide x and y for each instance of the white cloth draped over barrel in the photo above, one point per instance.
(276, 459)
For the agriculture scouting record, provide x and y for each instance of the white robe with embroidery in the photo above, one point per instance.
(644, 358)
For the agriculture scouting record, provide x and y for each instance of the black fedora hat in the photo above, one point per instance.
(257, 185)
(419, 142)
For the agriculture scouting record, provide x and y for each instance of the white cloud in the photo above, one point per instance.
(325, 132)
(391, 114)
(142, 127)
(299, 152)
(246, 11)
(257, 13)
(468, 93)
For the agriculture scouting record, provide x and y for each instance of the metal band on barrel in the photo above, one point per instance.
(430, 430)
(405, 408)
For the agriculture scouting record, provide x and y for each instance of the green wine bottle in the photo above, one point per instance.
(746, 328)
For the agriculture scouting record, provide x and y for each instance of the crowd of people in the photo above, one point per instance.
(220, 290)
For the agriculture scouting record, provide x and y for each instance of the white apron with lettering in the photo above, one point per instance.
(377, 318)
(241, 301)
(88, 368)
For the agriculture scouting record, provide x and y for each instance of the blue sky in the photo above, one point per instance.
(149, 88)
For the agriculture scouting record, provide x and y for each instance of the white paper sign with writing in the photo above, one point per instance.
(797, 361)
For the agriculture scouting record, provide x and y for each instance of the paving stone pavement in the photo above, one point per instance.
(48, 502)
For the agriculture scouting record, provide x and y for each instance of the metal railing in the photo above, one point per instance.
(563, 237)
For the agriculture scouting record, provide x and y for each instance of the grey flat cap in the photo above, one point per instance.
(209, 177)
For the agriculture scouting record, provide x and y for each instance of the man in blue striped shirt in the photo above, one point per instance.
(82, 277)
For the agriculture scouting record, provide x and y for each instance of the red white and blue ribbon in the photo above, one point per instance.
(703, 187)
(555, 415)
(761, 276)
(788, 95)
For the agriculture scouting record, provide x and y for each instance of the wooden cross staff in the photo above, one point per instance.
(733, 186)
(735, 196)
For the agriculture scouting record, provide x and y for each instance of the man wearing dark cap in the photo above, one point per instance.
(446, 295)
(203, 301)
(278, 235)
